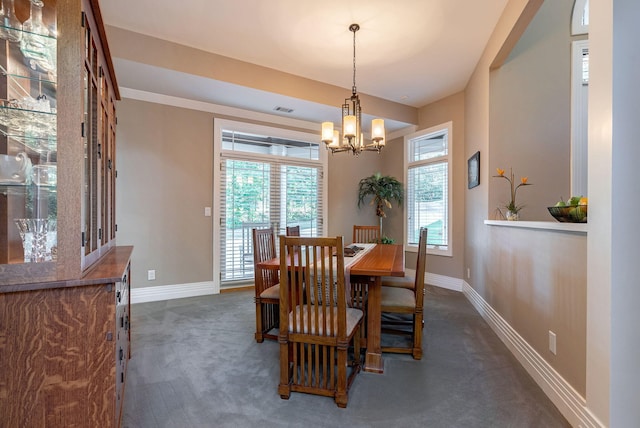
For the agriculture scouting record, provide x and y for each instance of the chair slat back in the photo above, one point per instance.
(366, 234)
(264, 248)
(313, 298)
(293, 230)
(421, 267)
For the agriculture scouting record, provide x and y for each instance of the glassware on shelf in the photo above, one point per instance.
(29, 117)
(10, 25)
(15, 169)
(36, 45)
(39, 239)
(45, 175)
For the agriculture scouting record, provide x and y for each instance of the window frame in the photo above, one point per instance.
(437, 129)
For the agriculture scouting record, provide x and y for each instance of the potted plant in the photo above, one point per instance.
(383, 189)
(512, 208)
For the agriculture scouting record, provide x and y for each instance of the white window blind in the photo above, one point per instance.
(266, 182)
(428, 183)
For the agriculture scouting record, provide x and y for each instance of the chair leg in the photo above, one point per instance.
(284, 389)
(259, 328)
(417, 335)
(341, 396)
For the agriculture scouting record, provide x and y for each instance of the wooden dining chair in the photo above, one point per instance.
(409, 301)
(366, 234)
(267, 285)
(317, 326)
(293, 230)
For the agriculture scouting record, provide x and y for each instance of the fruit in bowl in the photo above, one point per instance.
(572, 211)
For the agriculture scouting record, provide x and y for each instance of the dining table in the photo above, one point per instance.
(380, 260)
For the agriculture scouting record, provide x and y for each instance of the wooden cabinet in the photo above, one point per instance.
(64, 348)
(64, 285)
(57, 141)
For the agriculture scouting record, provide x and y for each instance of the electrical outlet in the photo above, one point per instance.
(151, 275)
(207, 211)
(552, 342)
(468, 273)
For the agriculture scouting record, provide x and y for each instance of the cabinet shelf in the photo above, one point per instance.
(47, 36)
(38, 79)
(40, 145)
(21, 189)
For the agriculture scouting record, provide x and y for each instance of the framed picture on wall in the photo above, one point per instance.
(473, 165)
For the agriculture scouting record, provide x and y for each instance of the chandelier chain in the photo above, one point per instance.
(354, 28)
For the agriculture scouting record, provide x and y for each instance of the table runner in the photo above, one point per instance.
(348, 262)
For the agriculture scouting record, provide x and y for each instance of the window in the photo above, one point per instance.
(579, 99)
(580, 17)
(579, 117)
(268, 177)
(428, 169)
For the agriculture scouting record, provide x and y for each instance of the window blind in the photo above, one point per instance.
(276, 184)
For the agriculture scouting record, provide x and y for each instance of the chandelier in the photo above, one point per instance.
(352, 137)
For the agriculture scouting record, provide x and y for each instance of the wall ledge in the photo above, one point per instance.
(544, 225)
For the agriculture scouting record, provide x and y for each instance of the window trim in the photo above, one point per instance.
(448, 127)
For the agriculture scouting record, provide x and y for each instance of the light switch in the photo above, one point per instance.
(207, 211)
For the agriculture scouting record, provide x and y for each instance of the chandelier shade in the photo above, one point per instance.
(352, 139)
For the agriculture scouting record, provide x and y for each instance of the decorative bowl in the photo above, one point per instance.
(570, 213)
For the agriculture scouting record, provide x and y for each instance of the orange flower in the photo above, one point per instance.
(511, 206)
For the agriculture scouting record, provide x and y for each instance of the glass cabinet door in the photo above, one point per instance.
(28, 134)
(98, 223)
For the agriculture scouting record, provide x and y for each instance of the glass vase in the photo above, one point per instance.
(512, 215)
(10, 25)
(36, 45)
(39, 239)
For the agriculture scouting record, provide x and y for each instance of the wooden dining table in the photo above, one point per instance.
(381, 260)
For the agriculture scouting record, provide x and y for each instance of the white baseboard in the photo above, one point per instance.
(570, 403)
(443, 281)
(168, 292)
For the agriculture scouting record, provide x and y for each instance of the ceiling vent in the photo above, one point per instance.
(283, 109)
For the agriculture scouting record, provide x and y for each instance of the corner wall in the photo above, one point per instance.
(519, 272)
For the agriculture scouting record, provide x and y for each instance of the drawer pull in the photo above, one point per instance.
(121, 354)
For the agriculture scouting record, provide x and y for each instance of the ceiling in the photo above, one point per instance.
(412, 52)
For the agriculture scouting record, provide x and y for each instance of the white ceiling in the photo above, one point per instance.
(408, 51)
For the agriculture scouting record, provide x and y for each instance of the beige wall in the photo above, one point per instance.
(536, 280)
(164, 161)
(533, 283)
(345, 172)
(530, 115)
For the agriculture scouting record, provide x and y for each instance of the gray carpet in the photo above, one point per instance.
(195, 363)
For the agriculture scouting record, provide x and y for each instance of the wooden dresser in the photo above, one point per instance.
(64, 348)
